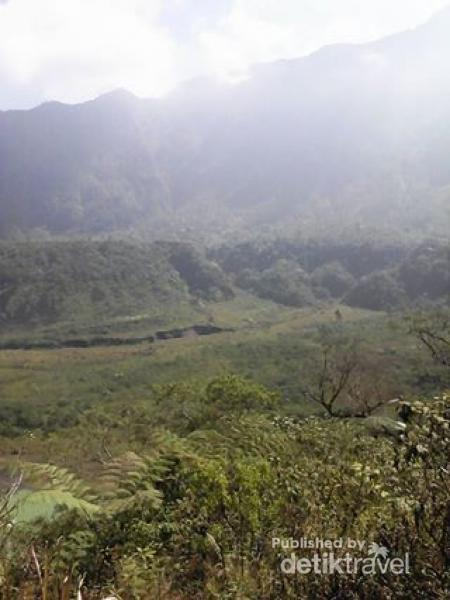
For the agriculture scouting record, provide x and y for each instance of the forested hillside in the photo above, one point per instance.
(88, 282)
(349, 134)
(374, 273)
(49, 282)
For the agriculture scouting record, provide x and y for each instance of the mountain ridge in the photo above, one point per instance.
(296, 138)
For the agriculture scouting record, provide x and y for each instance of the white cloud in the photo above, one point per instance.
(266, 30)
(72, 50)
(243, 38)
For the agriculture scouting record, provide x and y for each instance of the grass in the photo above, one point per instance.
(268, 351)
(45, 392)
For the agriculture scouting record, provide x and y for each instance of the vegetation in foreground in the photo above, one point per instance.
(188, 507)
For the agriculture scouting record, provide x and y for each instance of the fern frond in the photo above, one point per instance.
(51, 477)
(131, 478)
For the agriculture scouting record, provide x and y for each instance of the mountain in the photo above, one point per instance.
(355, 130)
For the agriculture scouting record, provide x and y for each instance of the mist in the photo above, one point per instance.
(309, 138)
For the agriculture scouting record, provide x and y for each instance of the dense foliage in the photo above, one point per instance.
(376, 273)
(194, 516)
(90, 282)
(48, 282)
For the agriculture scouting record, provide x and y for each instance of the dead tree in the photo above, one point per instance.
(332, 378)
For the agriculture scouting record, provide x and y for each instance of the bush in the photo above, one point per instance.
(378, 291)
(285, 282)
(334, 278)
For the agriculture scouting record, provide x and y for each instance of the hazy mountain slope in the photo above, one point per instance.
(87, 166)
(363, 129)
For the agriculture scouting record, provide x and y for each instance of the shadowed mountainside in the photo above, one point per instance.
(354, 130)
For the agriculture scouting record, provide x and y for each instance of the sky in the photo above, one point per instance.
(75, 50)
